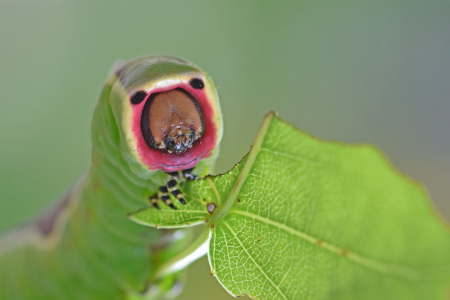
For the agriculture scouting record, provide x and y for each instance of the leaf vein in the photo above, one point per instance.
(253, 260)
(213, 186)
(398, 270)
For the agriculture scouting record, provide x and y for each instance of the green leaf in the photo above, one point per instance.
(300, 218)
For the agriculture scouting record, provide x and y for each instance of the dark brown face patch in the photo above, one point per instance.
(172, 121)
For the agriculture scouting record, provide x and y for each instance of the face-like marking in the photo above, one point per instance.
(168, 114)
(197, 83)
(138, 97)
(172, 121)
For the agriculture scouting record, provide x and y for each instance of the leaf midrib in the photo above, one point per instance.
(241, 178)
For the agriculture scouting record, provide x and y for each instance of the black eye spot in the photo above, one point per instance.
(197, 83)
(138, 97)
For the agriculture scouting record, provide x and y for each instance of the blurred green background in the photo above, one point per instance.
(356, 71)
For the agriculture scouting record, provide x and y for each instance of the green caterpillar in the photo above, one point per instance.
(156, 117)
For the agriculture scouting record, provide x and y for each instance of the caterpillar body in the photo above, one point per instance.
(157, 117)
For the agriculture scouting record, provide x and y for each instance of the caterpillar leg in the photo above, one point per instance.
(172, 188)
(163, 195)
(187, 174)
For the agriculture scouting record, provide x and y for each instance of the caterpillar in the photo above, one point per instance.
(158, 120)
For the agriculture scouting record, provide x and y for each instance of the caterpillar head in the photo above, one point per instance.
(167, 112)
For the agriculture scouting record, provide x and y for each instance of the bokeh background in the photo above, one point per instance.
(355, 71)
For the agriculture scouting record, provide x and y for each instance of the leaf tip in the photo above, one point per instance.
(271, 114)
